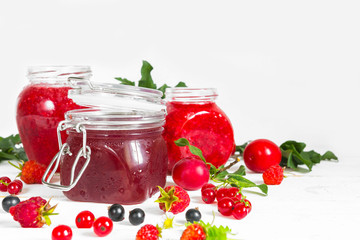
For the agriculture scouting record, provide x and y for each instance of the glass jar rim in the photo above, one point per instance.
(58, 72)
(185, 94)
(115, 119)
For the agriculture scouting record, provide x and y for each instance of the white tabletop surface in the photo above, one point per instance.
(321, 204)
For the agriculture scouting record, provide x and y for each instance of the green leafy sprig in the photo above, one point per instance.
(147, 81)
(221, 174)
(293, 155)
(11, 148)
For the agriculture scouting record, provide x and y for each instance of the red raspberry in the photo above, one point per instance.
(31, 171)
(173, 199)
(148, 232)
(273, 175)
(193, 231)
(32, 213)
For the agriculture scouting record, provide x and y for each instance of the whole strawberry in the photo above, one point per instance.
(193, 232)
(173, 199)
(31, 171)
(32, 213)
(148, 232)
(273, 175)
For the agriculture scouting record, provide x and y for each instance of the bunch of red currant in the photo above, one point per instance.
(12, 187)
(229, 200)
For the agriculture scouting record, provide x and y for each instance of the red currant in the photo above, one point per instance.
(221, 193)
(103, 226)
(240, 210)
(208, 185)
(61, 232)
(85, 219)
(4, 182)
(208, 195)
(190, 173)
(248, 205)
(14, 187)
(225, 206)
(232, 192)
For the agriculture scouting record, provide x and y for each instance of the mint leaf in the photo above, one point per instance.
(146, 79)
(125, 81)
(182, 142)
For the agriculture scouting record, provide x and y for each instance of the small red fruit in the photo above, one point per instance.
(61, 232)
(273, 175)
(193, 231)
(261, 154)
(14, 187)
(221, 193)
(240, 211)
(103, 226)
(208, 185)
(225, 206)
(148, 232)
(31, 171)
(190, 173)
(208, 195)
(85, 219)
(173, 199)
(4, 182)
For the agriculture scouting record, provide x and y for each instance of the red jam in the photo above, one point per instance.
(205, 125)
(40, 109)
(125, 167)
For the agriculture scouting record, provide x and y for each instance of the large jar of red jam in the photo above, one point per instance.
(41, 106)
(115, 152)
(193, 114)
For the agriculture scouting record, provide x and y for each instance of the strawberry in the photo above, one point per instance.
(201, 231)
(149, 232)
(273, 175)
(32, 213)
(193, 232)
(31, 171)
(173, 199)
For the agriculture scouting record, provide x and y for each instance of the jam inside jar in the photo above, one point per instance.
(41, 106)
(193, 114)
(118, 154)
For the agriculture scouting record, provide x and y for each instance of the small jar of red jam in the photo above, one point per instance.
(41, 106)
(115, 152)
(193, 114)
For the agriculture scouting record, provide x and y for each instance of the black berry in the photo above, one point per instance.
(9, 201)
(193, 215)
(116, 212)
(136, 216)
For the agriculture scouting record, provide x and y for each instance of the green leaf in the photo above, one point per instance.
(242, 182)
(11, 148)
(241, 171)
(299, 146)
(146, 79)
(313, 156)
(241, 148)
(163, 88)
(329, 156)
(181, 84)
(125, 81)
(182, 142)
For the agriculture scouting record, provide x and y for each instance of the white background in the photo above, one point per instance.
(283, 69)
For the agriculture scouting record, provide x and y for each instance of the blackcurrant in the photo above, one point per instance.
(193, 215)
(116, 212)
(136, 216)
(9, 201)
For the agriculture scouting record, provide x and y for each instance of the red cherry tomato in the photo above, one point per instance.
(61, 232)
(261, 154)
(103, 226)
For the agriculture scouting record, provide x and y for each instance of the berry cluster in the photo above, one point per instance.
(12, 187)
(229, 200)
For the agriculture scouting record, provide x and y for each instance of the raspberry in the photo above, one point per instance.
(32, 213)
(31, 171)
(148, 232)
(193, 231)
(173, 199)
(273, 175)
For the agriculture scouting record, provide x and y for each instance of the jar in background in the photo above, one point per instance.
(193, 114)
(41, 106)
(118, 154)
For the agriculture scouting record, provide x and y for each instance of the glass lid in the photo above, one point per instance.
(115, 96)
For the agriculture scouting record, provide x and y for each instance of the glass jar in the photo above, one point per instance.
(193, 114)
(41, 106)
(115, 152)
